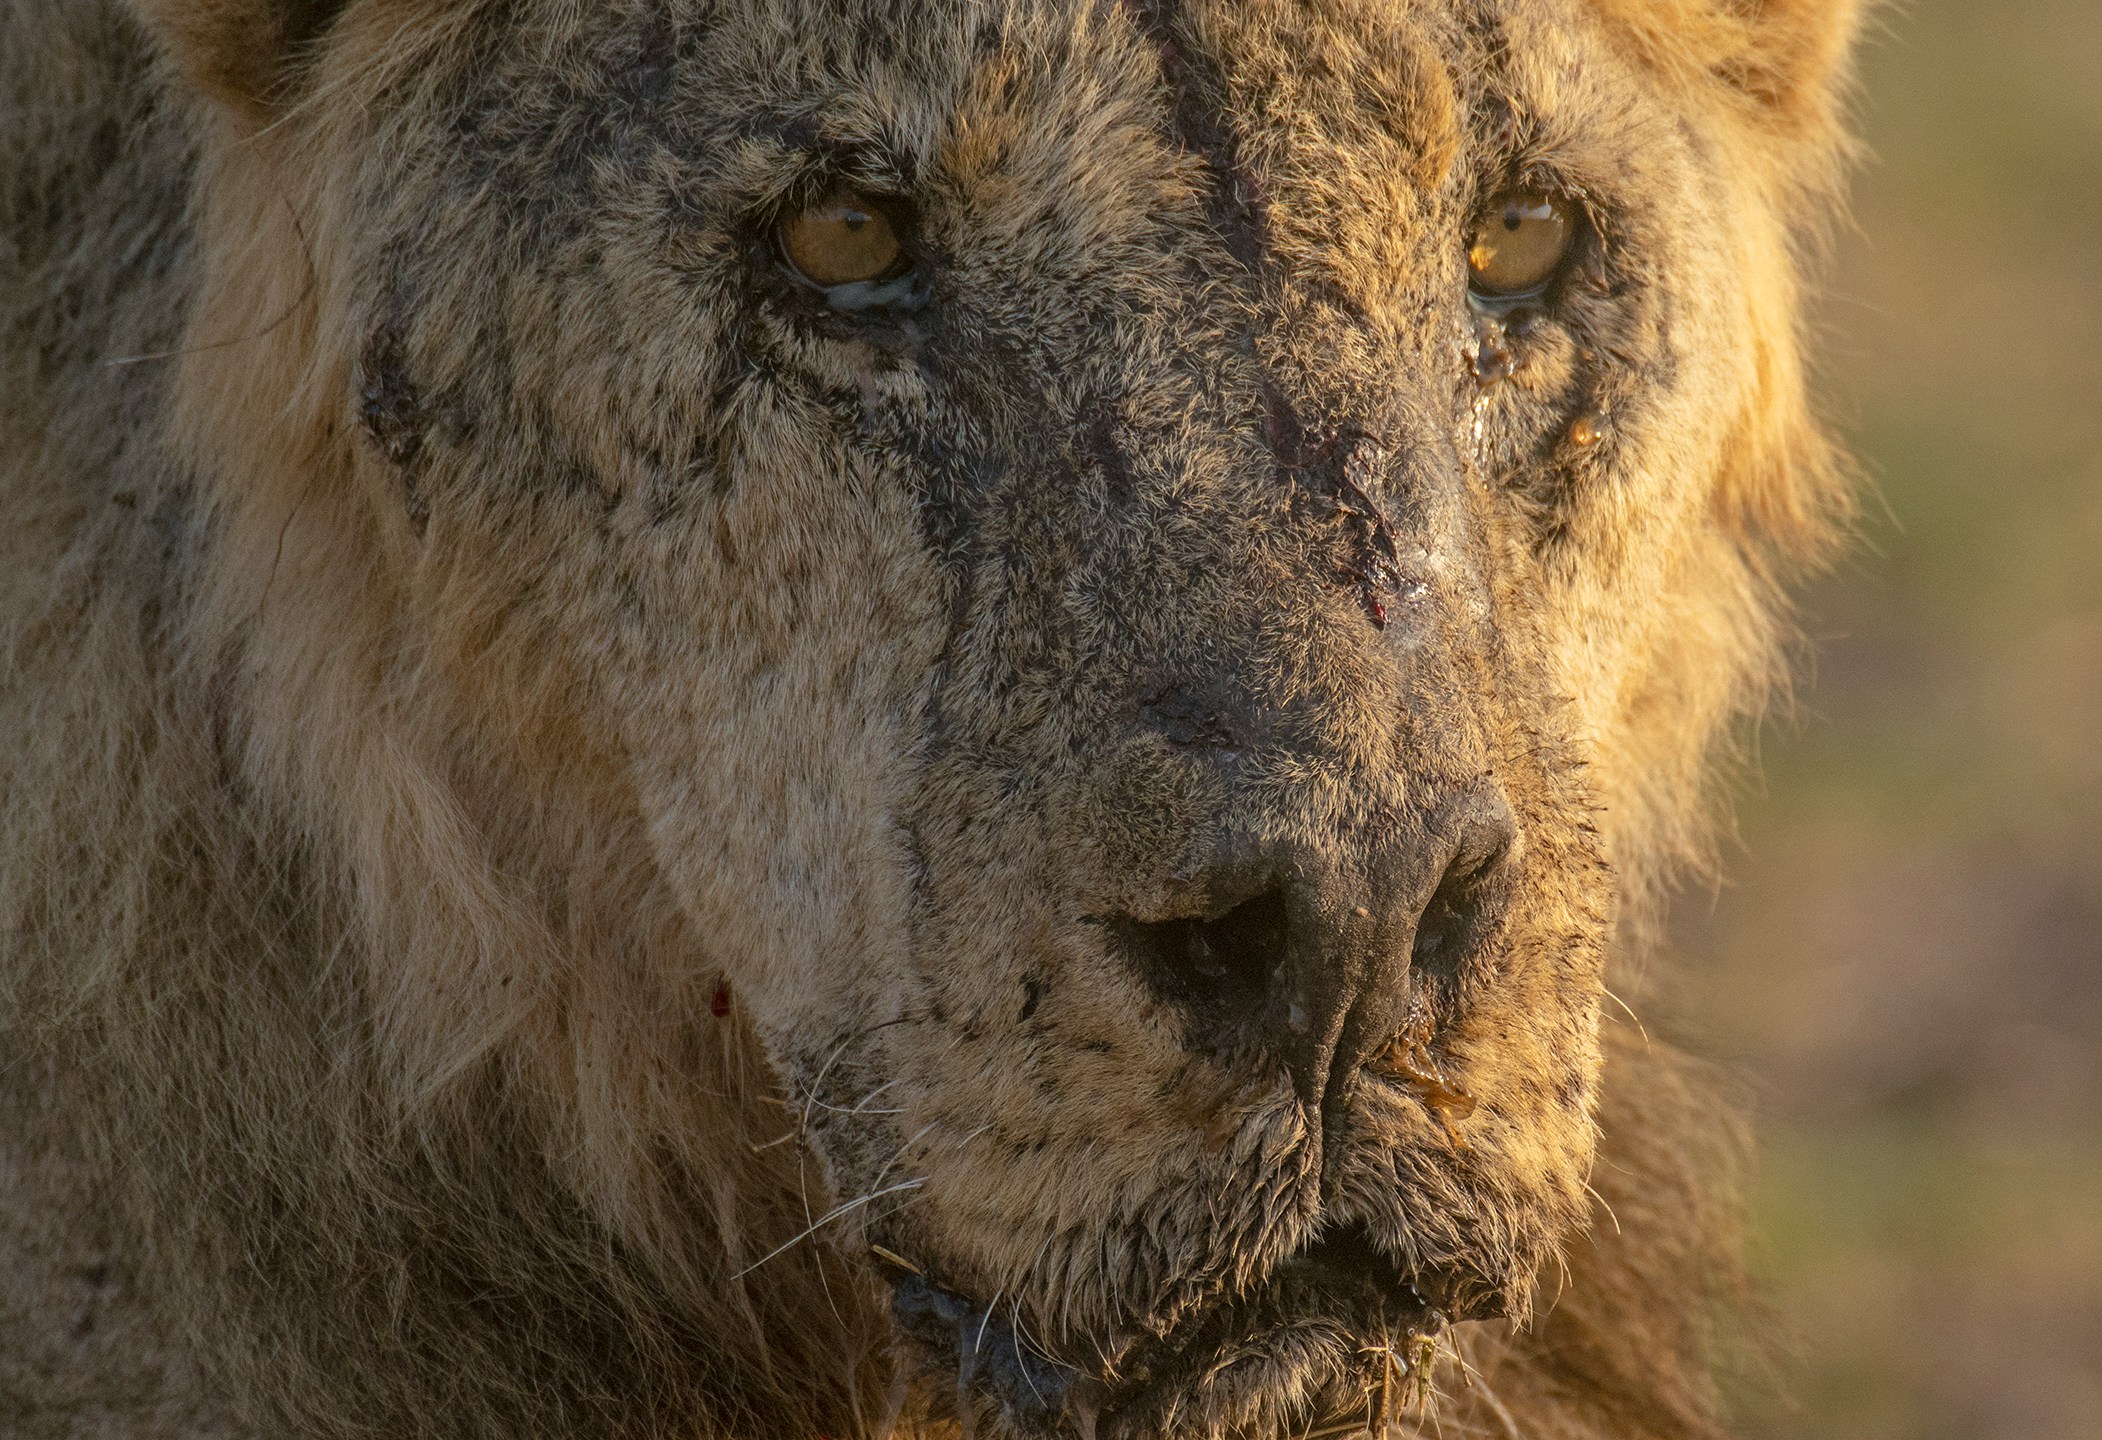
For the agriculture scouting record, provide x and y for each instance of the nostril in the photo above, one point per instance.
(1244, 944)
(1465, 902)
(1448, 920)
(1219, 967)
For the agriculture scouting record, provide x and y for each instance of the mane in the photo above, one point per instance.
(253, 869)
(1776, 80)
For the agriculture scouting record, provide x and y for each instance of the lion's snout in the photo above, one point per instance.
(1310, 958)
(1307, 921)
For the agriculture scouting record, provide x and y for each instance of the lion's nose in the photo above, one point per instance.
(1306, 958)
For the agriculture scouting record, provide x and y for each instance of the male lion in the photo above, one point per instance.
(777, 718)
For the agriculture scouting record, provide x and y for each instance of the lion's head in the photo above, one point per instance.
(1002, 668)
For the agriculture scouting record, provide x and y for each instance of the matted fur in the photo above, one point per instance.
(461, 623)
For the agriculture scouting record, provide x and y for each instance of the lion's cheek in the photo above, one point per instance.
(770, 682)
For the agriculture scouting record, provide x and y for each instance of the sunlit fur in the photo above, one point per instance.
(442, 663)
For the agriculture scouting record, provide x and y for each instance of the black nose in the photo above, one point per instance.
(1309, 959)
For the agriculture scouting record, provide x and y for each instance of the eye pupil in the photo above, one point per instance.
(1523, 249)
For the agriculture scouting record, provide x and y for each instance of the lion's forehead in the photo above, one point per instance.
(741, 96)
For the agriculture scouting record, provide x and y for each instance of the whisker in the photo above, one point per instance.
(986, 1320)
(827, 1218)
(1603, 1205)
(1629, 1011)
(899, 1153)
(860, 1108)
(1479, 1383)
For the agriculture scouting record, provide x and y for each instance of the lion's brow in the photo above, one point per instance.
(1199, 124)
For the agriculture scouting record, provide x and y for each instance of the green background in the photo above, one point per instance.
(1906, 955)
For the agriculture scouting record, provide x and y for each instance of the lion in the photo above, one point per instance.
(792, 718)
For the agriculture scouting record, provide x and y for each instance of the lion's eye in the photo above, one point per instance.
(1520, 243)
(843, 239)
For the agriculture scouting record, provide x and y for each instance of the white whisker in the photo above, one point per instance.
(827, 1218)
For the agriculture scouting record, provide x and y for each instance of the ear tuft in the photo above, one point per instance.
(1790, 57)
(242, 53)
(1795, 51)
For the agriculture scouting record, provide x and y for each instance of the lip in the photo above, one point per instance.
(1311, 1346)
(1321, 1341)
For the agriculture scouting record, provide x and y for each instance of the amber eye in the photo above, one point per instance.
(1520, 243)
(842, 239)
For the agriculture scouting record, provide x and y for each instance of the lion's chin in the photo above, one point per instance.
(1323, 1346)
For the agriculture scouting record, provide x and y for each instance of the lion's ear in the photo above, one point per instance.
(242, 53)
(1788, 56)
(1794, 52)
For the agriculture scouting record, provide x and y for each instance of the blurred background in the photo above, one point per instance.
(1907, 955)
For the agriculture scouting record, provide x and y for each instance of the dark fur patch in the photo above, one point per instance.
(392, 411)
(1201, 127)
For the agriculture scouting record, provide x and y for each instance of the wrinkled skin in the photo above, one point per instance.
(1080, 818)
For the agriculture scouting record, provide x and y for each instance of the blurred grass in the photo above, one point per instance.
(1909, 956)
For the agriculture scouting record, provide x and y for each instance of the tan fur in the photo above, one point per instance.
(459, 625)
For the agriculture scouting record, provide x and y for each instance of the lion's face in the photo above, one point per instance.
(1130, 690)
